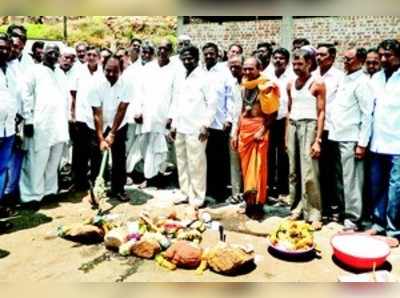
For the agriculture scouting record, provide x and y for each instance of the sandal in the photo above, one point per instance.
(236, 199)
(335, 217)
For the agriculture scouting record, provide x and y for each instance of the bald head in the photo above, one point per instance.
(251, 68)
(254, 61)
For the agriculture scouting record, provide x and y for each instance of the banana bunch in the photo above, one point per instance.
(199, 225)
(189, 234)
(101, 222)
(163, 262)
(107, 226)
(293, 235)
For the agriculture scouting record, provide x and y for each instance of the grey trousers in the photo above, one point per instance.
(352, 180)
(236, 175)
(304, 188)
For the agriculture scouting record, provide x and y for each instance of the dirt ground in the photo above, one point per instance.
(31, 251)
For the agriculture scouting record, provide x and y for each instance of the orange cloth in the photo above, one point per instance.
(253, 154)
(268, 95)
(253, 157)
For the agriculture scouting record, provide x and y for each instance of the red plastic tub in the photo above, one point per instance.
(360, 251)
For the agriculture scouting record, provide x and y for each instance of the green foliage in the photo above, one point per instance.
(41, 31)
(105, 31)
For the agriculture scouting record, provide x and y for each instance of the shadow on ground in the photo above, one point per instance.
(4, 253)
(237, 222)
(138, 197)
(52, 202)
(26, 219)
(296, 258)
(133, 264)
(385, 266)
(276, 210)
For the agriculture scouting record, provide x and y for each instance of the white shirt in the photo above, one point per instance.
(8, 106)
(282, 83)
(45, 105)
(71, 79)
(17, 77)
(332, 79)
(195, 102)
(107, 97)
(269, 70)
(155, 95)
(85, 80)
(132, 76)
(177, 62)
(386, 123)
(18, 72)
(238, 104)
(351, 111)
(27, 61)
(222, 82)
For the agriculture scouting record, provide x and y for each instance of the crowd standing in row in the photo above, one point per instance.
(278, 127)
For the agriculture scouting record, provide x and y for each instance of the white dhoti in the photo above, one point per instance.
(133, 149)
(66, 156)
(39, 176)
(152, 149)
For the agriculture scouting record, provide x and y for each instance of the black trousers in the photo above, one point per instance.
(278, 160)
(330, 171)
(218, 165)
(118, 155)
(86, 155)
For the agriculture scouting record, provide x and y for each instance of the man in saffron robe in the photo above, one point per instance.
(260, 107)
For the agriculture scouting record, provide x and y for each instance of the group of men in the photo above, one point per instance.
(278, 127)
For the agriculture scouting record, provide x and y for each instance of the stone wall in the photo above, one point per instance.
(364, 31)
(247, 33)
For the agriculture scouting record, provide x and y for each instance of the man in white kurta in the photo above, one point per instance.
(278, 167)
(332, 77)
(86, 156)
(45, 110)
(66, 64)
(8, 111)
(132, 76)
(235, 67)
(109, 99)
(18, 68)
(153, 103)
(193, 110)
(218, 162)
(350, 129)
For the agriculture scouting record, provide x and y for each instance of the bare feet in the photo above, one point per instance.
(241, 210)
(294, 216)
(317, 225)
(143, 185)
(371, 232)
(391, 241)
